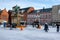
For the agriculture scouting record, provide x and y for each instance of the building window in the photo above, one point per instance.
(59, 11)
(41, 16)
(4, 17)
(21, 19)
(22, 11)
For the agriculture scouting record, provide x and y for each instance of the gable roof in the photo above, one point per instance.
(4, 12)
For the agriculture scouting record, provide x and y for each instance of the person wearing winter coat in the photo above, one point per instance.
(57, 27)
(4, 24)
(46, 27)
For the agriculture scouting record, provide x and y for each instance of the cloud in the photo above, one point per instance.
(37, 4)
(34, 4)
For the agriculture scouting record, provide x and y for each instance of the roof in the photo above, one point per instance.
(42, 10)
(10, 11)
(25, 9)
(4, 12)
(35, 12)
(46, 10)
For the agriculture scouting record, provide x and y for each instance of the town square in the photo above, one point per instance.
(29, 20)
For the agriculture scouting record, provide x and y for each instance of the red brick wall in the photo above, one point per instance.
(4, 15)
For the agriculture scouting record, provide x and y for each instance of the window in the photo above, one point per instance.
(21, 19)
(59, 11)
(22, 11)
(41, 16)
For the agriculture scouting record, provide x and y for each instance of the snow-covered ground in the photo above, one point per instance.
(29, 33)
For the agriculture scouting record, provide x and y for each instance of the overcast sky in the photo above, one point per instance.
(37, 4)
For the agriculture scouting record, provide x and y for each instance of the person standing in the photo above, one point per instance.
(57, 27)
(4, 24)
(46, 27)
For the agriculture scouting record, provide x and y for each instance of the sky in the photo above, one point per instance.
(37, 4)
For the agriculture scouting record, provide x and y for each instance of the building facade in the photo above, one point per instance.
(42, 15)
(21, 14)
(4, 15)
(56, 13)
(29, 14)
(33, 16)
(46, 16)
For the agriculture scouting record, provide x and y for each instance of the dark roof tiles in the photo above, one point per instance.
(46, 10)
(25, 9)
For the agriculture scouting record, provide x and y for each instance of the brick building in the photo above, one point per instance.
(46, 15)
(28, 14)
(4, 15)
(42, 15)
(21, 14)
(33, 16)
